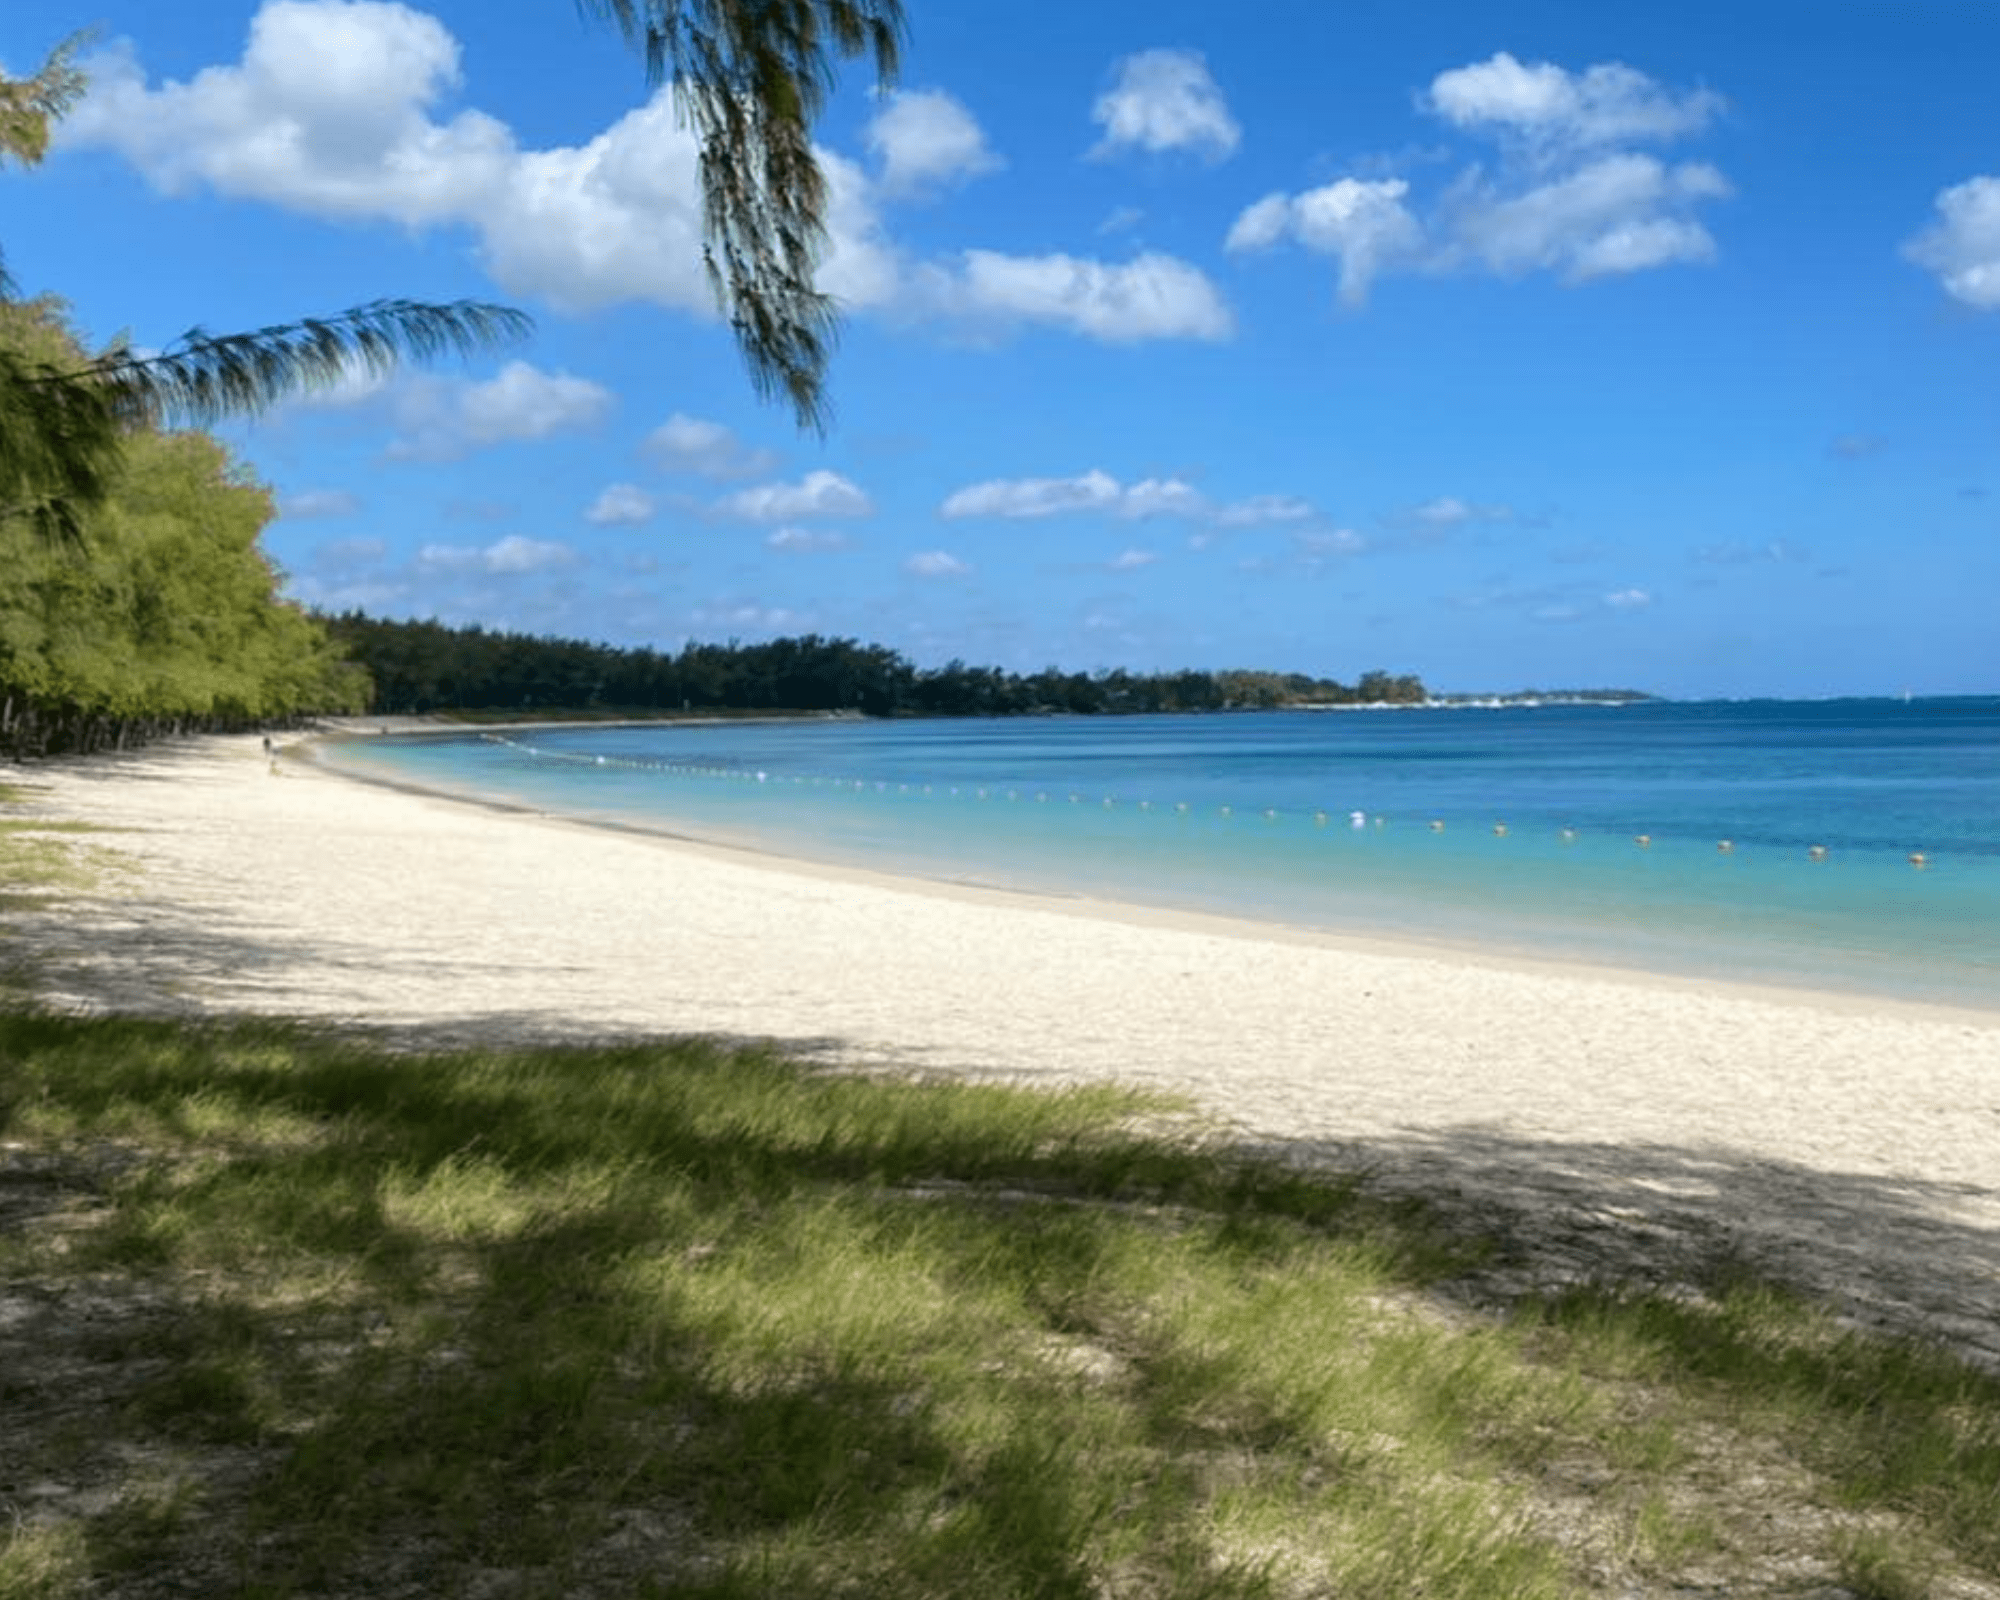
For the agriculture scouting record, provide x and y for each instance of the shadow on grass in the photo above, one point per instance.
(579, 1320)
(680, 1319)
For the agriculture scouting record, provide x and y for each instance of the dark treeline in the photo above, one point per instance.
(425, 666)
(161, 613)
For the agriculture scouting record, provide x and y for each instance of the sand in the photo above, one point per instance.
(1612, 1121)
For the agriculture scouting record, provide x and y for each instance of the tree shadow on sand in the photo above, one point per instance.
(1901, 1254)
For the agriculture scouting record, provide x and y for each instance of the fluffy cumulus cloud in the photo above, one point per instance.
(514, 554)
(441, 419)
(1091, 491)
(1365, 226)
(1569, 194)
(936, 564)
(1622, 213)
(1447, 513)
(709, 449)
(1260, 510)
(1097, 492)
(1962, 247)
(1152, 296)
(1554, 109)
(807, 541)
(338, 109)
(621, 505)
(817, 494)
(926, 140)
(1163, 100)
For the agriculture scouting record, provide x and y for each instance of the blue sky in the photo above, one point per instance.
(1553, 344)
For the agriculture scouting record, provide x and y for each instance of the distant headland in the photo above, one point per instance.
(418, 668)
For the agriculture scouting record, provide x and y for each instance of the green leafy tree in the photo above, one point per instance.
(164, 613)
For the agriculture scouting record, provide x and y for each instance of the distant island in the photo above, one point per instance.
(418, 668)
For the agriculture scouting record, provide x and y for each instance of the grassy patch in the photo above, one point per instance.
(683, 1320)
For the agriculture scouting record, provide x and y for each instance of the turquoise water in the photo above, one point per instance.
(1510, 827)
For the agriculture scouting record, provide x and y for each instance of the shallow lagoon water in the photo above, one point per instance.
(1513, 828)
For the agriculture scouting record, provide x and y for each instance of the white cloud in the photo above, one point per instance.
(513, 554)
(694, 444)
(334, 110)
(1261, 509)
(1318, 546)
(1165, 100)
(441, 419)
(1365, 226)
(1628, 600)
(1152, 296)
(1962, 248)
(325, 113)
(1609, 103)
(936, 564)
(1564, 198)
(621, 505)
(310, 505)
(1163, 497)
(1034, 497)
(818, 494)
(746, 616)
(516, 554)
(1447, 512)
(1132, 560)
(807, 541)
(926, 139)
(1097, 491)
(1092, 491)
(1619, 214)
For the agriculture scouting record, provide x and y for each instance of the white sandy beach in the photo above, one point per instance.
(1851, 1144)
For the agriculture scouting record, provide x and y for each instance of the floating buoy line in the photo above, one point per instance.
(1358, 821)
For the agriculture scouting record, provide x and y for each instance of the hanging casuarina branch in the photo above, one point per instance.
(206, 377)
(751, 77)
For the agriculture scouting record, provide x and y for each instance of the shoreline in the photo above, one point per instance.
(1626, 1123)
(1485, 952)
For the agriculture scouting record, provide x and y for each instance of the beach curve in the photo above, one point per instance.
(1623, 1123)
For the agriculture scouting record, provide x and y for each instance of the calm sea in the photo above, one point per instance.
(1778, 836)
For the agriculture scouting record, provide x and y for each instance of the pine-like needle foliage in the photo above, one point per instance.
(61, 426)
(62, 422)
(752, 76)
(206, 377)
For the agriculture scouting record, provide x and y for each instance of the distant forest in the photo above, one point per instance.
(419, 667)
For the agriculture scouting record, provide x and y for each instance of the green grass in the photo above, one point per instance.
(680, 1320)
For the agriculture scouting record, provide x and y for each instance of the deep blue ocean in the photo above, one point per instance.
(1778, 836)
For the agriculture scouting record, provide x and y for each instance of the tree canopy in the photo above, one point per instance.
(427, 666)
(163, 615)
